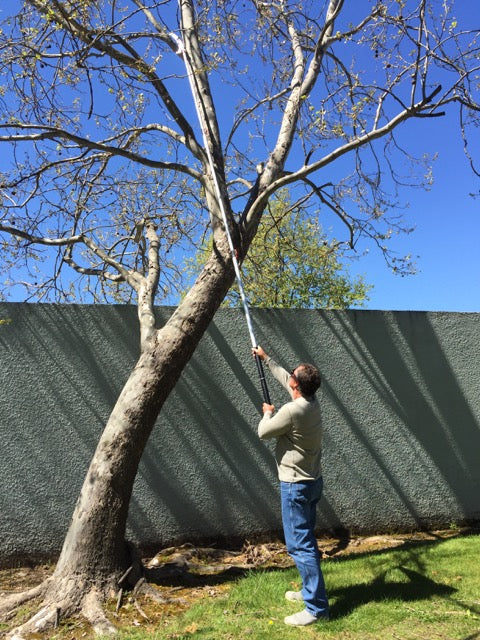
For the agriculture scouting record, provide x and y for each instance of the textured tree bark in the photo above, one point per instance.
(96, 537)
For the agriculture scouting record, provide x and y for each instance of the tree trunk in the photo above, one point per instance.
(95, 542)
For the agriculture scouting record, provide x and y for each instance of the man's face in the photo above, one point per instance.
(292, 381)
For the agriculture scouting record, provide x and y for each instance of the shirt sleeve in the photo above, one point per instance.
(272, 426)
(279, 373)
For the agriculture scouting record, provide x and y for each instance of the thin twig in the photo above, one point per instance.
(119, 600)
(124, 576)
(141, 611)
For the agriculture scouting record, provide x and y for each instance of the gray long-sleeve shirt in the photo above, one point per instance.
(298, 429)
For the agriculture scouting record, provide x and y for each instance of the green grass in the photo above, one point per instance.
(428, 591)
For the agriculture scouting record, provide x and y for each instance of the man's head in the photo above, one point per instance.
(307, 379)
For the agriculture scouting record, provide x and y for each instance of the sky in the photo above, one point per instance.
(446, 220)
(446, 236)
(447, 227)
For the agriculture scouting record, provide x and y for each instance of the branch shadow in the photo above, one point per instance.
(417, 586)
(401, 420)
(381, 588)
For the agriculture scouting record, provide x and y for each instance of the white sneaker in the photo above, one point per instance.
(294, 596)
(302, 619)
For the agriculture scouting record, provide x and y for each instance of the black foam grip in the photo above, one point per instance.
(263, 382)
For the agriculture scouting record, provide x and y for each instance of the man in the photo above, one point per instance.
(298, 429)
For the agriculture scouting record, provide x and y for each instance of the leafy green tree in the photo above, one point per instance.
(292, 264)
(106, 177)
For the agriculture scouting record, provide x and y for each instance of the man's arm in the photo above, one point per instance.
(278, 372)
(272, 426)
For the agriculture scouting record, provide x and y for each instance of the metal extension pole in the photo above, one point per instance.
(198, 107)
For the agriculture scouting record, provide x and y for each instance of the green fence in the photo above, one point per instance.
(401, 408)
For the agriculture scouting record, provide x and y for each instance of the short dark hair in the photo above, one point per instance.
(308, 378)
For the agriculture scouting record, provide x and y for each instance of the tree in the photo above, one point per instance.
(291, 263)
(103, 172)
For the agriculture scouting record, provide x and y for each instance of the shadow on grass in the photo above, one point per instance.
(418, 587)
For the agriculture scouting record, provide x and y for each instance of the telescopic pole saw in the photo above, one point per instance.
(201, 119)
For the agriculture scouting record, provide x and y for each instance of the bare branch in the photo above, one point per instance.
(53, 242)
(148, 287)
(340, 151)
(133, 60)
(54, 133)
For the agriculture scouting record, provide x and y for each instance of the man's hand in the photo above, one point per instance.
(258, 351)
(266, 408)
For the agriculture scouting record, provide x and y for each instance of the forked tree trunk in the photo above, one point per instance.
(95, 553)
(95, 542)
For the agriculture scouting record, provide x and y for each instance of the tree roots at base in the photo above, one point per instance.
(62, 597)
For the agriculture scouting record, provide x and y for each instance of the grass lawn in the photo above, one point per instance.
(422, 591)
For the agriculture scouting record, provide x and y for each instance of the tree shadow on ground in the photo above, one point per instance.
(381, 588)
(402, 577)
(388, 585)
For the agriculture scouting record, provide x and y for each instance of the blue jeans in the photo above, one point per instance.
(299, 501)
